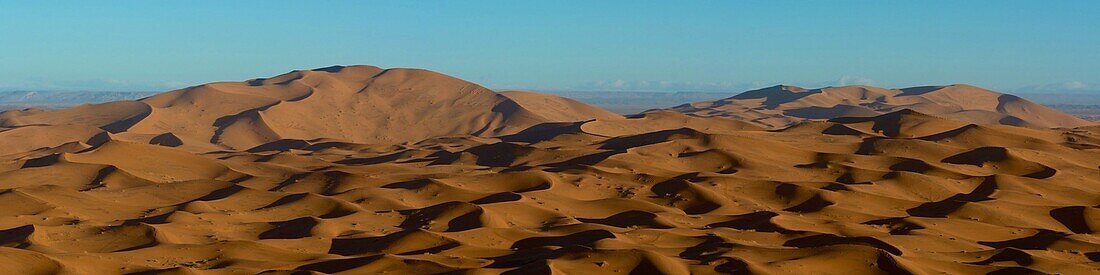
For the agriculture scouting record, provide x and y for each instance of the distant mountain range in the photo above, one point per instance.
(58, 99)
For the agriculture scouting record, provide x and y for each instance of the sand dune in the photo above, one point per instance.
(782, 106)
(361, 104)
(358, 170)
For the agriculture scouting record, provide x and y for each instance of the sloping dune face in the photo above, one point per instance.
(782, 106)
(362, 104)
(359, 170)
(555, 108)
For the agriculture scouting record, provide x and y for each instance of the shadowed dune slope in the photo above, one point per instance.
(782, 106)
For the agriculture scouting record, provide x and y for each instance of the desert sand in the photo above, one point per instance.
(361, 170)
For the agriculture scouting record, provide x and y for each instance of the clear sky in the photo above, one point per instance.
(557, 45)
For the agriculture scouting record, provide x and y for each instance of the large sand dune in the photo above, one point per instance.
(362, 104)
(360, 170)
(782, 106)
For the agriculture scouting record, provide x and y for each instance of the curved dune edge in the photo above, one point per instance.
(656, 193)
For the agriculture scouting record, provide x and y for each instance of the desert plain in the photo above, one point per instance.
(364, 170)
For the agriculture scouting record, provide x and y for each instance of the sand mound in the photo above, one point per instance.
(783, 106)
(23, 139)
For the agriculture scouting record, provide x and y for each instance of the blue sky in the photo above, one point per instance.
(558, 45)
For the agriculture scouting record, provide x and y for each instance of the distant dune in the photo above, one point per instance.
(781, 106)
(363, 170)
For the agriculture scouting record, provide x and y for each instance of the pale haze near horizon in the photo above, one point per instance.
(1012, 46)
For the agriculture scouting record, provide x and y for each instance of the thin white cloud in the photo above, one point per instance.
(1075, 86)
(854, 80)
(718, 86)
(661, 86)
